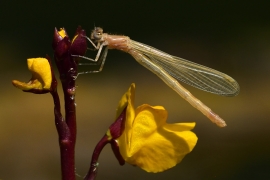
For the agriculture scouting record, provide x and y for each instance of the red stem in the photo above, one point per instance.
(91, 175)
(66, 129)
(67, 145)
(66, 141)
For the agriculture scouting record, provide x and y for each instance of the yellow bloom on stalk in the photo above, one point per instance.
(41, 75)
(148, 141)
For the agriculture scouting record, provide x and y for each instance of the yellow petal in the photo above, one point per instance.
(27, 86)
(148, 119)
(62, 32)
(41, 75)
(41, 71)
(127, 100)
(179, 126)
(163, 150)
(154, 145)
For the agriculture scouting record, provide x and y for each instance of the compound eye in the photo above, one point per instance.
(97, 36)
(97, 33)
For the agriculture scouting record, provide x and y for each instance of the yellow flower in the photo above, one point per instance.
(41, 75)
(148, 141)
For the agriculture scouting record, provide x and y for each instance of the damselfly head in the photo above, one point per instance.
(96, 34)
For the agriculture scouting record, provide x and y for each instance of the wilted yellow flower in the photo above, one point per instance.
(41, 75)
(148, 141)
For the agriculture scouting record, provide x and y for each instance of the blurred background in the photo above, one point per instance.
(230, 36)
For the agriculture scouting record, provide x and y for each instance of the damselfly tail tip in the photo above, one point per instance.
(221, 124)
(216, 119)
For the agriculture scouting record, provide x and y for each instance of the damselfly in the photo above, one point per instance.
(170, 69)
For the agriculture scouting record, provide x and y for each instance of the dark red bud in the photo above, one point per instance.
(62, 48)
(117, 128)
(79, 43)
(57, 37)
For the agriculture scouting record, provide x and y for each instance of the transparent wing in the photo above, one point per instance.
(196, 75)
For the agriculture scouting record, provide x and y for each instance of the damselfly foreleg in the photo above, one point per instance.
(101, 60)
(98, 47)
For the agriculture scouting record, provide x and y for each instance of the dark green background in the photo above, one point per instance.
(230, 36)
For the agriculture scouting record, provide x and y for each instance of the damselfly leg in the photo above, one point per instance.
(99, 59)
